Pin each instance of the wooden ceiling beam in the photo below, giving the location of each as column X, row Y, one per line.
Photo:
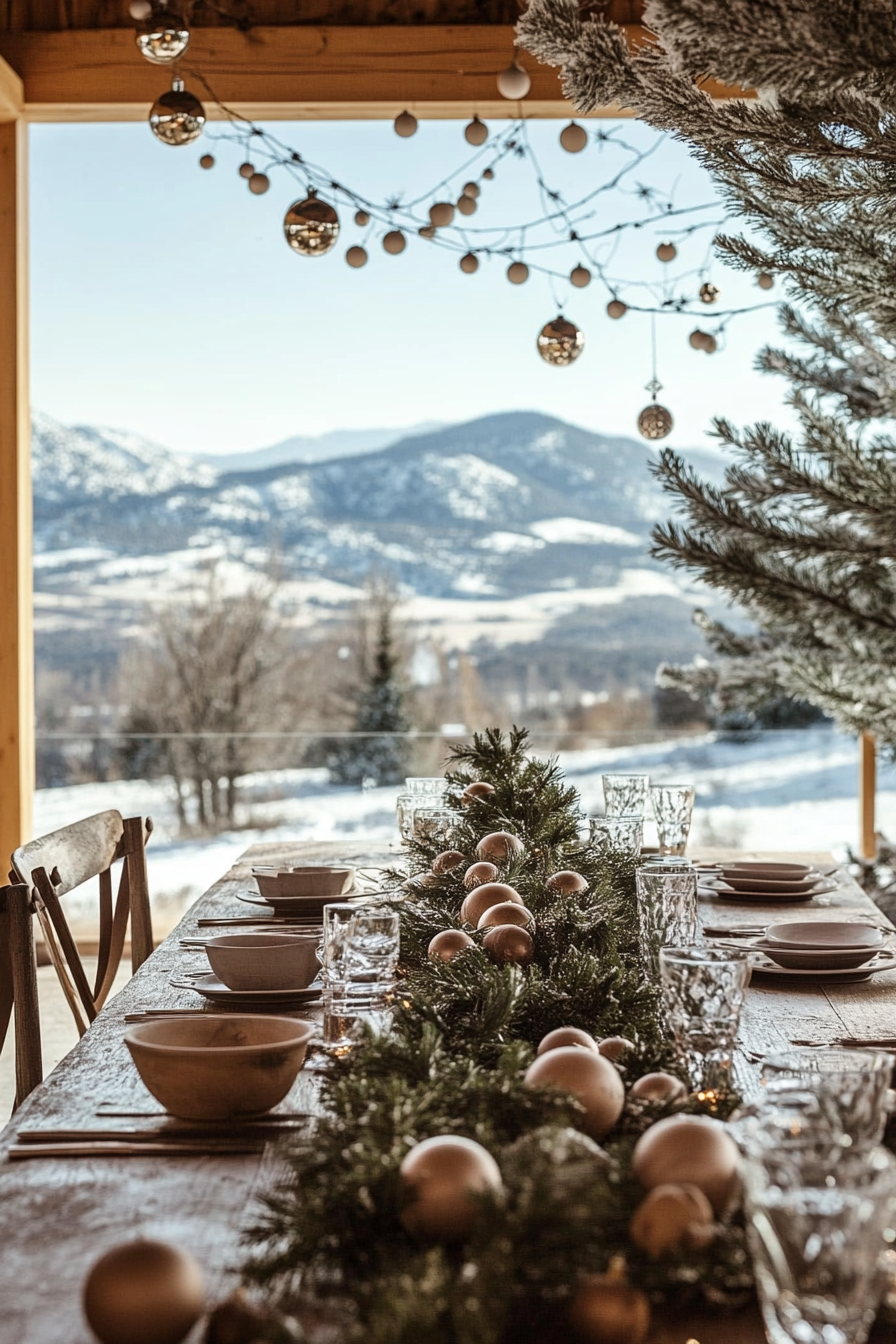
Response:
column 12, row 93
column 287, row 73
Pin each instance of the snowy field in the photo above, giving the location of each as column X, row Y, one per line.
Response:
column 785, row 790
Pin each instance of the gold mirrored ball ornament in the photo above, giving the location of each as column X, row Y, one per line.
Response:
column 165, row 39
column 177, row 117
column 560, row 342
column 655, row 421
column 311, row 227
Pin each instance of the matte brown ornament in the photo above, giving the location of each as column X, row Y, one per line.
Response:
column 580, row 276
column 765, row 281
column 465, row 205
column 657, row 1087
column 475, row 132
column 697, row 339
column 144, row 1292
column 394, row 242
column 482, row 898
column 446, row 945
column 259, row 183
column 616, row 308
column 442, row 1177
column 311, row 227
column 672, row 1218
column 514, row 82
column 441, row 214
column 207, row 161
column 615, row 1047
column 447, row 861
column 469, row 263
column 667, row 252
column 566, row 1036
column 498, row 847
column 356, row 257
column 573, row 138
column 603, row 1311
column 471, row 189
column 177, row 117
column 710, row 345
column 140, row 10
column 478, row 873
column 560, row 342
column 478, row 789
column 655, row 422
column 361, row 218
column 517, row 272
column 427, row 231
column 488, row 174
column 691, row 1150
column 246, row 170
column 591, row 1079
column 405, row 124
column 508, row 912
column 708, row 292
column 568, row 882
column 509, row 943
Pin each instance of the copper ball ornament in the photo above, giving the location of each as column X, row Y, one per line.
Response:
column 479, row 873
column 311, row 227
column 478, row 790
column 446, row 945
column 691, row 1150
column 710, row 345
column 509, row 943
column 615, row 1047
column 447, row 861
column 394, row 242
column 517, row 272
column 440, row 1175
column 465, row 205
column 580, row 276
column 765, row 281
column 573, row 138
column 259, row 183
column 164, row 41
column 356, row 257
column 441, row 214
column 484, row 897
column 405, row 125
column 471, row 189
column 469, row 263
column 567, row 882
column 140, row 10
column 475, row 132
column 566, row 1036
column 560, row 342
column 246, row 170
column 488, row 174
column 177, row 117
column 514, row 82
column 498, row 847
column 604, row 1311
column 655, row 422
column 708, row 292
column 667, row 252
column 592, row 1080
column 361, row 218
column 697, row 339
column 507, row 912
column 657, row 1087
column 672, row 1218
column 616, row 308
column 144, row 1292
column 207, row 161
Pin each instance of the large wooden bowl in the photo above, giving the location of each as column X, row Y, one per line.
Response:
column 264, row 960
column 218, row 1068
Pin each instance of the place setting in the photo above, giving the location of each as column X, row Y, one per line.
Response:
column 820, row 951
column 765, row 883
column 291, row 896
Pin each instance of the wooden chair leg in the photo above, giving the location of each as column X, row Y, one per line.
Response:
column 136, row 834
column 29, row 1061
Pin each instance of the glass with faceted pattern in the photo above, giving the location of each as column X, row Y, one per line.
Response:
column 667, row 909
column 703, row 992
column 622, row 833
column 673, row 807
column 625, row 795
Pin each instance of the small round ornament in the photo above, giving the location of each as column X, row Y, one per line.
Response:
column 498, row 847
column 475, row 132
column 483, row 898
column 592, row 1080
column 361, row 218
column 165, row 40
column 478, row 873
column 697, row 339
column 667, row 252
column 566, row 1036
column 560, row 342
column 672, row 1218
column 446, row 945
column 517, row 272
column 427, row 231
column 657, row 1087
column 691, row 1150
column 311, row 227
column 440, row 1175
column 509, row 943
column 580, row 276
column 465, row 205
column 177, row 117
column 259, row 183
column 604, row 1311
column 394, row 242
column 140, row 10
column 573, row 138
column 356, row 256
column 655, row 421
column 405, row 124
column 478, row 790
column 441, row 214
column 471, row 189
column 708, row 292
column 616, row 309
column 488, row 174
column 207, row 161
column 144, row 1292
column 447, row 861
column 615, row 1047
column 765, row 281
column 514, row 82
column 710, row 345
column 246, row 169
column 469, row 263
column 567, row 881
column 507, row 912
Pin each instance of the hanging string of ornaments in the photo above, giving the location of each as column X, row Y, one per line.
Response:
column 312, row 226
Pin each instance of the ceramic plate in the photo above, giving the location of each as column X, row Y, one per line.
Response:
column 816, row 935
column 727, row 893
column 297, row 912
column 819, row 958
column 211, row 988
column 845, row 977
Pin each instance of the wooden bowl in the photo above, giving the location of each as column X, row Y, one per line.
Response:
column 264, row 960
column 823, row 935
column 311, row 883
column 219, row 1068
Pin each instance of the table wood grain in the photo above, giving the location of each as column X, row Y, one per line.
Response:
column 58, row 1215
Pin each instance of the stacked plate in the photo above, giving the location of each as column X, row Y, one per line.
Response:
column 299, row 894
column 829, row 950
column 767, row 882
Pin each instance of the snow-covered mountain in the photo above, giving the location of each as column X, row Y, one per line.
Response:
column 314, row 448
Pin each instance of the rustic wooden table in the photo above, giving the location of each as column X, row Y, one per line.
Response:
column 58, row 1215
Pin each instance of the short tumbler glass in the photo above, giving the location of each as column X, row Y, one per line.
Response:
column 851, row 1088
column 703, row 992
column 625, row 795
column 673, row 806
column 667, row 910
column 622, row 833
column 435, row 825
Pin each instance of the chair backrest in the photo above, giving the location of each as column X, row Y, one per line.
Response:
column 55, row 864
column 18, row 987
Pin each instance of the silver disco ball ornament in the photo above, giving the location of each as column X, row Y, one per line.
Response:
column 560, row 342
column 164, row 39
column 177, row 118
column 311, row 226
column 655, row 422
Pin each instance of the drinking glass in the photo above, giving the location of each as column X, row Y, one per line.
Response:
column 851, row 1087
column 359, row 956
column 431, row 785
column 625, row 795
column 372, row 948
column 337, row 919
column 435, row 825
column 703, row 992
column 622, row 833
column 667, row 909
column 818, row 1234
column 673, row 805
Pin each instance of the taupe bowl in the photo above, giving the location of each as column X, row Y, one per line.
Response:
column 218, row 1068
column 819, row 958
column 264, row 960
column 824, row 935
column 321, row 883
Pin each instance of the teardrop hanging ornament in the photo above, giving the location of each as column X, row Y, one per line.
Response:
column 655, row 421
column 311, row 227
column 560, row 342
column 165, row 37
column 177, row 117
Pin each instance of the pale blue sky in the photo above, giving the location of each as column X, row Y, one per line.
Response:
column 166, row 301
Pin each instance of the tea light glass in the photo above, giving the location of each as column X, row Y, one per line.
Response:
column 625, row 795
column 703, row 992
column 673, row 807
column 622, row 833
column 667, row 909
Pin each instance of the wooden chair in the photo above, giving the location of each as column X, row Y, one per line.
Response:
column 55, row 865
column 18, row 986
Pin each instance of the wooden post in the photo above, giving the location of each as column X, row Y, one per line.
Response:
column 867, row 789
column 16, row 629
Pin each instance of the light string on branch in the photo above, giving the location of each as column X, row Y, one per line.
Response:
column 443, row 216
